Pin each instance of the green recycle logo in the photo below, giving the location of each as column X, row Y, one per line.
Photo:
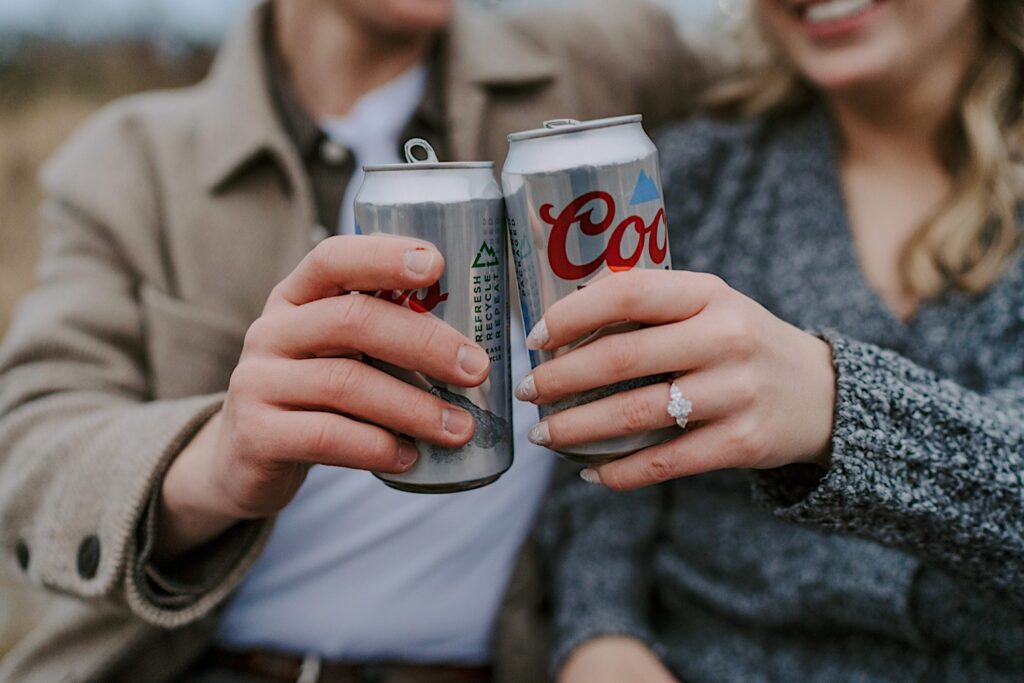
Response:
column 486, row 258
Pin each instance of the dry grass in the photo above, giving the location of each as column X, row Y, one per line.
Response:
column 44, row 96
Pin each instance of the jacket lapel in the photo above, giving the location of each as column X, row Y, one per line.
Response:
column 481, row 55
column 239, row 131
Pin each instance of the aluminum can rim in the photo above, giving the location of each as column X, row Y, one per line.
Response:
column 577, row 127
column 425, row 166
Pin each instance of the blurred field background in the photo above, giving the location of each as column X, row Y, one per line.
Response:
column 60, row 60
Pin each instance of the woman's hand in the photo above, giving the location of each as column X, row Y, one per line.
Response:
column 614, row 659
column 762, row 390
column 300, row 395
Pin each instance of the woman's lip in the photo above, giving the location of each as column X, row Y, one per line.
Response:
column 838, row 28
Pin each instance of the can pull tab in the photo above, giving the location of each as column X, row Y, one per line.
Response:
column 561, row 123
column 412, row 145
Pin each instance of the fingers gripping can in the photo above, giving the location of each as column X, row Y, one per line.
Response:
column 583, row 200
column 459, row 208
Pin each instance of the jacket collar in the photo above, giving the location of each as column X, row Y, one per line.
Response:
column 486, row 52
column 239, row 122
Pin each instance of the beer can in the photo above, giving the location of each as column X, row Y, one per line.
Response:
column 583, row 199
column 459, row 208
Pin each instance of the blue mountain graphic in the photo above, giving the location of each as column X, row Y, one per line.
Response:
column 645, row 190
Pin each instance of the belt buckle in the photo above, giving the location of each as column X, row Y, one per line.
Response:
column 309, row 672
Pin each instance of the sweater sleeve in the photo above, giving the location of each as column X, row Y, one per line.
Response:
column 918, row 462
column 598, row 546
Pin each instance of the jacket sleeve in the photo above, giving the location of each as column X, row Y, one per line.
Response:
column 918, row 462
column 83, row 445
column 598, row 546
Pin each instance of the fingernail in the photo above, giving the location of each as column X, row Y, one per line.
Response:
column 590, row 476
column 407, row 454
column 419, row 260
column 538, row 336
column 527, row 390
column 472, row 359
column 456, row 422
column 540, row 434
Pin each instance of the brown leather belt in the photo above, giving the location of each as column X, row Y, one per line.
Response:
column 295, row 669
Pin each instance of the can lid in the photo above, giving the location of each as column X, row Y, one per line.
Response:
column 563, row 126
column 428, row 162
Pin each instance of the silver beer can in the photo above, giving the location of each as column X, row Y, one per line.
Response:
column 583, row 200
column 459, row 208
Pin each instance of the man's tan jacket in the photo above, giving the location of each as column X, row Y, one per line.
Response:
column 163, row 240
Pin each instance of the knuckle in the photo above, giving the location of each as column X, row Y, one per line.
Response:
column 735, row 336
column 714, row 285
column 318, row 260
column 356, row 314
column 315, row 437
column 612, row 478
column 636, row 414
column 621, row 354
column 746, row 389
column 432, row 337
column 257, row 335
column 382, row 448
column 748, row 440
column 245, row 378
column 344, row 377
column 658, row 467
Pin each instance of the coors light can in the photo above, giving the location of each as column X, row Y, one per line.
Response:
column 459, row 208
column 584, row 200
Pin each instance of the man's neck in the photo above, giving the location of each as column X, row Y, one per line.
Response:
column 332, row 61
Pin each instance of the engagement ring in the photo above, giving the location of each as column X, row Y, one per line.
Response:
column 679, row 406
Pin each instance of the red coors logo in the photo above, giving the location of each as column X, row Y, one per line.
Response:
column 653, row 236
column 420, row 300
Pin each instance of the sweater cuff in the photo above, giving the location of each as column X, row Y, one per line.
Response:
column 866, row 453
column 189, row 588
column 609, row 596
column 599, row 622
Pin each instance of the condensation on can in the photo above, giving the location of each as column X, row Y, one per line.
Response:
column 599, row 175
column 459, row 208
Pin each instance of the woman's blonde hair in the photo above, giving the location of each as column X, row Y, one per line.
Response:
column 973, row 236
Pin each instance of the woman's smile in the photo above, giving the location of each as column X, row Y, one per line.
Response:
column 835, row 18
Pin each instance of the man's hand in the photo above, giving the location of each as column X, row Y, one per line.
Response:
column 301, row 395
column 614, row 659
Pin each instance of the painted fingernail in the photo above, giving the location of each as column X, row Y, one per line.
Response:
column 540, row 434
column 527, row 390
column 407, row 454
column 456, row 422
column 538, row 336
column 590, row 476
column 419, row 260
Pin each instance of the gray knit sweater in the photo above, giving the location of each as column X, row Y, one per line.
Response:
column 905, row 561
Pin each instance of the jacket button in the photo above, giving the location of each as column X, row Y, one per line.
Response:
column 88, row 557
column 21, row 552
column 332, row 153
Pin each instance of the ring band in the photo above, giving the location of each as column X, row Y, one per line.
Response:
column 679, row 406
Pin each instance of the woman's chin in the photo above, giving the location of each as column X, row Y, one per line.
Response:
column 844, row 81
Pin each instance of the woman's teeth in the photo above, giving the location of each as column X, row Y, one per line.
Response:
column 835, row 10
